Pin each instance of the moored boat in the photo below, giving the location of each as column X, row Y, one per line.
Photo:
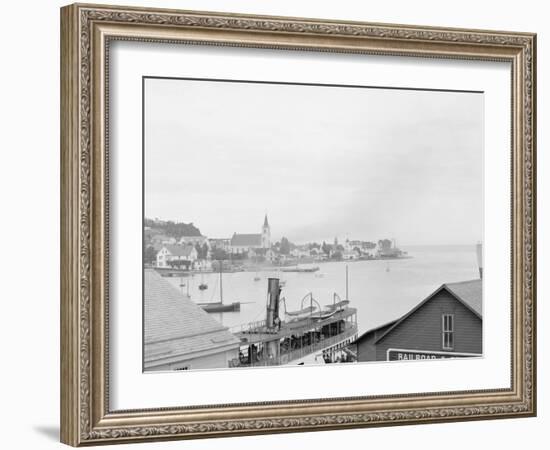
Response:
column 301, row 269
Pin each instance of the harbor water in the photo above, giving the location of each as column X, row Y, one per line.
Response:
column 381, row 290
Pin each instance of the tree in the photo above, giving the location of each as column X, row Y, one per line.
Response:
column 204, row 250
column 326, row 248
column 219, row 254
column 285, row 246
column 173, row 229
column 150, row 255
column 384, row 243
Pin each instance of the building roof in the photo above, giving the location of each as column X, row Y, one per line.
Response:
column 245, row 240
column 174, row 326
column 179, row 249
column 469, row 293
column 379, row 327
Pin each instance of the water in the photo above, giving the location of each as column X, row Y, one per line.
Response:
column 378, row 294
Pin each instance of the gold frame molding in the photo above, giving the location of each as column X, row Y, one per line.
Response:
column 86, row 31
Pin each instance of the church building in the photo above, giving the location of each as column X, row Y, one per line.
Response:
column 244, row 243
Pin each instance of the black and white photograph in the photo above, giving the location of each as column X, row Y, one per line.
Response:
column 295, row 224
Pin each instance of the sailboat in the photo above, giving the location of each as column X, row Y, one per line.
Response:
column 257, row 277
column 214, row 307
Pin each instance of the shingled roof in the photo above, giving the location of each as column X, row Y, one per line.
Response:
column 246, row 240
column 180, row 249
column 175, row 327
column 469, row 292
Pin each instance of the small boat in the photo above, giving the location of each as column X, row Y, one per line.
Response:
column 339, row 305
column 319, row 275
column 324, row 314
column 257, row 277
column 203, row 286
column 297, row 316
column 215, row 307
column 301, row 312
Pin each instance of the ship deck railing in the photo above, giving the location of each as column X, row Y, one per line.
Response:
column 258, row 332
column 287, row 356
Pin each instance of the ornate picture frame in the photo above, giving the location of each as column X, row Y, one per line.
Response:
column 86, row 34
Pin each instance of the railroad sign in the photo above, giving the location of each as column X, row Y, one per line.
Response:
column 399, row 354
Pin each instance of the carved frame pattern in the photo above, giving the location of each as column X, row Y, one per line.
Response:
column 86, row 418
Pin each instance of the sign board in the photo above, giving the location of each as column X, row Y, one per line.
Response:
column 400, row 354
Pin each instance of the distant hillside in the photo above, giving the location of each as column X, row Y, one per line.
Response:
column 173, row 229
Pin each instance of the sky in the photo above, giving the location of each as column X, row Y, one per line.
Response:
column 322, row 162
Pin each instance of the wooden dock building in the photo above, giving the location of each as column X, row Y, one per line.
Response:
column 447, row 324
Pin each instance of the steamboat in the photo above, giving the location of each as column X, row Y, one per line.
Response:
column 314, row 334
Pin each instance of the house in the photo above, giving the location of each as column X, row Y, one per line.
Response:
column 300, row 252
column 178, row 334
column 350, row 255
column 220, row 243
column 176, row 255
column 447, row 324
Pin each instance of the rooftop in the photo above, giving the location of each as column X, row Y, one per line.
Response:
column 179, row 249
column 175, row 326
column 469, row 292
column 246, row 240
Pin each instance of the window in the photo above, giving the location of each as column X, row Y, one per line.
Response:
column 448, row 331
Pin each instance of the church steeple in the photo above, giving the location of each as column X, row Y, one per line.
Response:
column 266, row 234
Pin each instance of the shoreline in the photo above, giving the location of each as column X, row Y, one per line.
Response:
column 260, row 267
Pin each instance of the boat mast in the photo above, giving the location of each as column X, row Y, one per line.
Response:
column 347, row 276
column 221, row 285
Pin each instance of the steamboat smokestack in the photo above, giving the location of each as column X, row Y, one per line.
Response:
column 273, row 293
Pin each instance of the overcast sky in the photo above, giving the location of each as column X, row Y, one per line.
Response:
column 320, row 161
